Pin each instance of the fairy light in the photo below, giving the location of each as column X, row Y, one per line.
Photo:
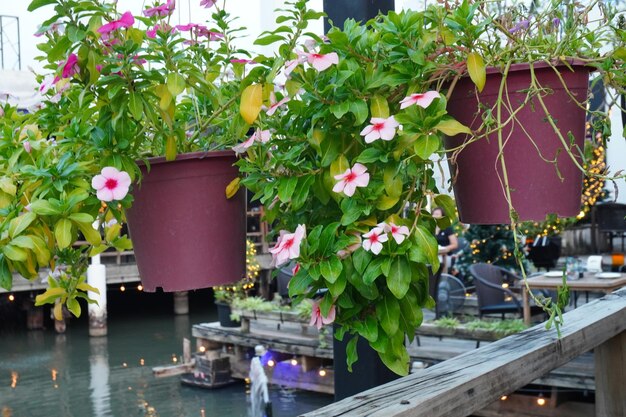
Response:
column 124, row 365
column 142, row 362
column 504, row 398
column 202, row 349
column 541, row 401
column 11, row 297
column 139, row 287
column 271, row 363
column 174, row 358
column 294, row 362
column 322, row 372
column 122, row 288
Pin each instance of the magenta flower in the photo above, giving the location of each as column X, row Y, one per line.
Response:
column 422, row 100
column 204, row 31
column 321, row 61
column 356, row 176
column 111, row 184
column 374, row 239
column 188, row 27
column 287, row 246
column 274, row 105
column 126, row 21
column 70, row 67
column 317, row 319
column 380, row 128
column 259, row 135
column 151, row 33
column 161, row 10
column 208, row 3
column 399, row 233
column 242, row 61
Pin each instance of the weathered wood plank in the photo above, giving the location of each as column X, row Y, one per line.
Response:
column 460, row 332
column 526, row 406
column 280, row 341
column 470, row 382
column 611, row 377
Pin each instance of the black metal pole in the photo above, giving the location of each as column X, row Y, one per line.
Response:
column 360, row 10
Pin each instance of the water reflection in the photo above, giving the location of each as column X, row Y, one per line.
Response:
column 99, row 376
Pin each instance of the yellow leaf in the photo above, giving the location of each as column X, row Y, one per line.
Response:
column 58, row 311
column 477, row 70
column 170, row 148
column 49, row 296
column 451, row 127
column 251, row 102
column 63, row 233
column 386, row 202
column 164, row 94
column 338, row 166
column 379, row 106
column 232, row 188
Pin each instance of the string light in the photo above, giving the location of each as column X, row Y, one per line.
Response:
column 202, row 349
column 322, row 372
column 504, row 398
column 139, row 287
column 122, row 288
column 271, row 363
column 294, row 362
column 541, row 401
column 11, row 297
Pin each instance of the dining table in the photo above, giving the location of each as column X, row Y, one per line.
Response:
column 605, row 282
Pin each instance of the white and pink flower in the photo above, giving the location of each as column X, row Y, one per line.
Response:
column 287, row 246
column 274, row 105
column 380, row 128
column 398, row 233
column 208, row 3
column 320, row 62
column 354, row 177
column 420, row 99
column 111, row 184
column 27, row 146
column 317, row 319
column 262, row 136
column 374, row 239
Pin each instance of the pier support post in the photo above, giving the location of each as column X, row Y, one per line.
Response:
column 181, row 302
column 610, row 369
column 34, row 316
column 96, row 277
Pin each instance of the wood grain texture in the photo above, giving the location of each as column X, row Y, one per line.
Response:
column 610, row 360
column 472, row 381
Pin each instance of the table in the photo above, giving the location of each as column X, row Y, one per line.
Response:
column 588, row 283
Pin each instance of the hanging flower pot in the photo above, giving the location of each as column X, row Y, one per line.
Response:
column 542, row 176
column 186, row 233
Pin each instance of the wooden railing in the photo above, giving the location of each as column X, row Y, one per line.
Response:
column 472, row 381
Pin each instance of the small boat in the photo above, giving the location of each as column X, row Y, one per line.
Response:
column 209, row 373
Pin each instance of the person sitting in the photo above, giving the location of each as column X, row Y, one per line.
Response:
column 446, row 239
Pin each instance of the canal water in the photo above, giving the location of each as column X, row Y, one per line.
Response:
column 44, row 374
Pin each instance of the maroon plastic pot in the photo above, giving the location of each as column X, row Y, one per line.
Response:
column 536, row 189
column 186, row 234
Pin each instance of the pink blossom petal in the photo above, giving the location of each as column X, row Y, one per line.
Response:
column 105, row 194
column 322, row 62
column 98, row 182
column 359, row 169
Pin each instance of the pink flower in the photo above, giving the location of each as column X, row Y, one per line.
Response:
column 317, row 319
column 356, row 176
column 291, row 65
column 422, row 100
column 380, row 128
column 242, row 61
column 26, row 145
column 321, row 61
column 111, row 184
column 126, row 21
column 208, row 3
column 47, row 84
column 259, row 135
column 287, row 246
column 399, row 233
column 187, row 27
column 151, row 33
column 275, row 105
column 204, row 31
column 373, row 240
column 70, row 67
column 161, row 10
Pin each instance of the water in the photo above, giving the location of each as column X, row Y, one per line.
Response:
column 43, row 374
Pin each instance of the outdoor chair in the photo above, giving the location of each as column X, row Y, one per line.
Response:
column 493, row 298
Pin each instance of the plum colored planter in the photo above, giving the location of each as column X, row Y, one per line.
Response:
column 186, row 234
column 536, row 189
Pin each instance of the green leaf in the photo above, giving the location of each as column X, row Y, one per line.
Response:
column 122, row 243
column 359, row 109
column 40, row 249
column 44, row 208
column 379, row 106
column 330, row 149
column 302, row 191
column 351, row 353
column 81, row 218
column 447, row 204
column 370, row 155
column 23, row 242
column 50, row 296
column 426, row 243
column 351, row 211
column 19, row 224
column 14, row 253
column 268, row 40
column 426, row 145
column 36, row 4
column 135, row 105
column 397, row 363
column 388, row 314
column 340, row 109
column 369, row 329
column 299, row 283
column 331, row 269
column 170, row 148
column 477, row 70
column 399, row 278
column 175, row 83
column 6, row 278
column 373, row 271
column 326, row 304
column 73, row 306
column 337, row 288
column 95, row 250
column 6, row 185
column 91, row 234
column 361, row 258
column 451, row 127
column 286, row 187
column 327, row 238
column 63, row 233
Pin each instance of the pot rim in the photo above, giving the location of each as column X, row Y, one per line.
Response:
column 523, row 66
column 187, row 156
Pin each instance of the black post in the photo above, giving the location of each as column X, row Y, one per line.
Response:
column 360, row 10
column 368, row 372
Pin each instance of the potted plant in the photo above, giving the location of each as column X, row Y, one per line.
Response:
column 347, row 174
column 122, row 90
